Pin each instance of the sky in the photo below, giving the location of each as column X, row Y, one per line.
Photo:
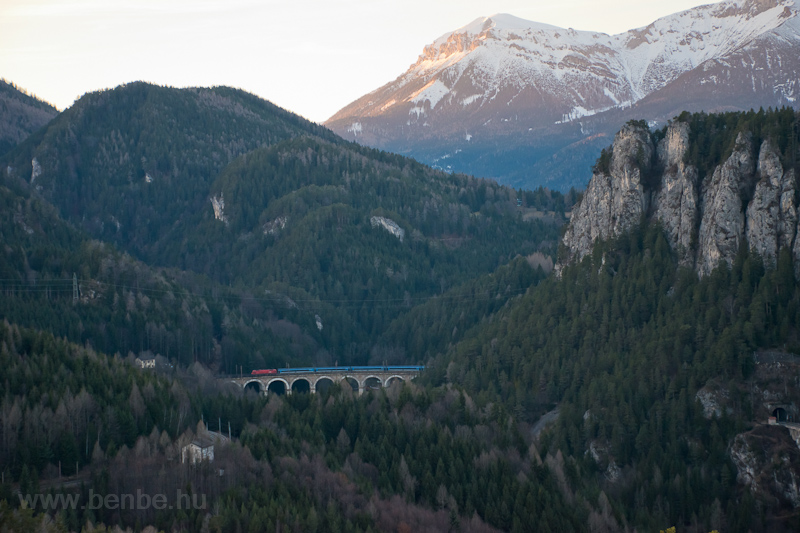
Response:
column 311, row 57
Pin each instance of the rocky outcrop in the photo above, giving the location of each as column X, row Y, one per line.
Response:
column 748, row 200
column 723, row 220
column 218, row 203
column 676, row 202
column 273, row 227
column 714, row 400
column 389, row 225
column 615, row 199
column 768, row 462
column 772, row 214
column 36, row 170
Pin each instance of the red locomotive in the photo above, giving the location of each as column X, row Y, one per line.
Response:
column 264, row 372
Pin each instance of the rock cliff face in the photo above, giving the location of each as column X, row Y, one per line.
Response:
column 615, row 198
column 722, row 223
column 676, row 202
column 748, row 200
column 772, row 215
column 766, row 461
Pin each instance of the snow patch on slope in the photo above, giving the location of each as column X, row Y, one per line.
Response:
column 354, row 128
column 433, row 92
column 469, row 99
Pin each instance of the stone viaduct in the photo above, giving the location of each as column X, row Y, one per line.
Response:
column 312, row 380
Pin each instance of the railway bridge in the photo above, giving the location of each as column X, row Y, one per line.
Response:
column 313, row 379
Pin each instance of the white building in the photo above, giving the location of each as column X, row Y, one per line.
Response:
column 146, row 361
column 202, row 448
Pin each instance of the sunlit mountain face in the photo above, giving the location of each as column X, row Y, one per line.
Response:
column 526, row 102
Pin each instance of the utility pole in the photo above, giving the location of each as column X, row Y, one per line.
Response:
column 74, row 287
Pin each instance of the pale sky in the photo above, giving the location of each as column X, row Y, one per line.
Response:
column 311, row 57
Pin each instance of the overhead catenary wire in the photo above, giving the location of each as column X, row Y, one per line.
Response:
column 66, row 286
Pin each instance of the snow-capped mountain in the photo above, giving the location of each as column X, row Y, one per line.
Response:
column 499, row 95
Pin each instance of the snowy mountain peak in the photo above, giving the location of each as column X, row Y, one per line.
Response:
column 573, row 73
column 499, row 22
column 503, row 75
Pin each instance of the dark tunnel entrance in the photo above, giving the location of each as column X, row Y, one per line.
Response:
column 780, row 414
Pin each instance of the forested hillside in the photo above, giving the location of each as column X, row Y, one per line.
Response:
column 126, row 164
column 290, row 246
column 21, row 114
column 280, row 228
column 414, row 459
column 124, row 305
column 655, row 371
column 319, row 216
column 622, row 344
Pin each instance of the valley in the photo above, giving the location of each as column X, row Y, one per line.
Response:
column 263, row 324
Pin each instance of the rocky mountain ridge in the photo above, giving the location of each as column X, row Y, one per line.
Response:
column 498, row 96
column 750, row 198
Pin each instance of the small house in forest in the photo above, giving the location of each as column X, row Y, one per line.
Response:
column 202, row 448
column 146, row 361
